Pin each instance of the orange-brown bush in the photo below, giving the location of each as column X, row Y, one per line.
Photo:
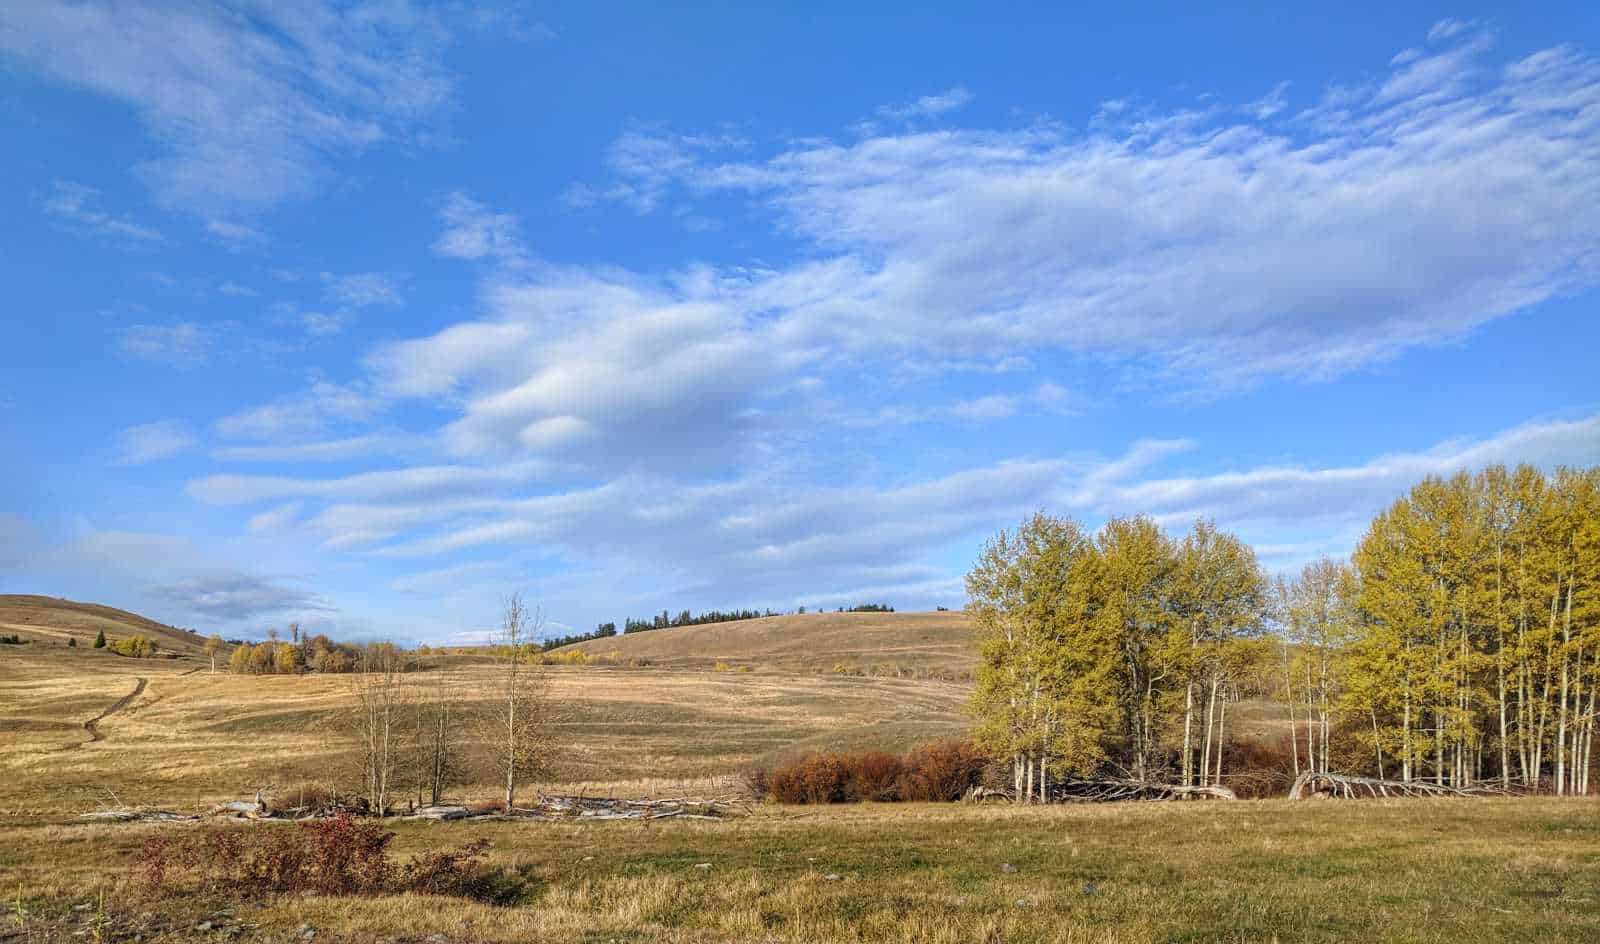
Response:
column 937, row 772
column 941, row 771
column 873, row 776
column 337, row 856
column 815, row 778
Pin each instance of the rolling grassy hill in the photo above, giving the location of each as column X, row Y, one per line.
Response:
column 175, row 731
column 50, row 620
column 939, row 643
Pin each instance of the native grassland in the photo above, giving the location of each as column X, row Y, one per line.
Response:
column 1419, row 870
column 193, row 736
column 1489, row 870
column 941, row 643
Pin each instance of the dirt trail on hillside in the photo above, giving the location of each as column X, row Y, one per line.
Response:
column 93, row 724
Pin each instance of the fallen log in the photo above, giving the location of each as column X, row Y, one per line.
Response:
column 137, row 816
column 1344, row 787
column 440, row 813
column 984, row 795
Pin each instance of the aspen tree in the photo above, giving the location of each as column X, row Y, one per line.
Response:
column 519, row 721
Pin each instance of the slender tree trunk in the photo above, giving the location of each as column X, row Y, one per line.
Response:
column 1222, row 718
column 1288, row 700
column 1377, row 743
column 1211, row 722
column 1405, row 736
column 1500, row 661
column 1561, row 722
column 1188, row 740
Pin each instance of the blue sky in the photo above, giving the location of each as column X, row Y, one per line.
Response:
column 368, row 315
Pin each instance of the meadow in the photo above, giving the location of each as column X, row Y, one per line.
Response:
column 1405, row 870
column 1493, row 870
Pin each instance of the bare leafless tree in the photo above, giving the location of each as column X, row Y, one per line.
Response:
column 438, row 718
column 382, row 695
column 520, row 713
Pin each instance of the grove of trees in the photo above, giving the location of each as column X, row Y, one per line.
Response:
column 1460, row 644
column 307, row 654
column 420, row 727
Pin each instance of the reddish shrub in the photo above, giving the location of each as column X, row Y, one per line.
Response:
column 932, row 773
column 873, row 776
column 815, row 778
column 337, row 856
column 941, row 772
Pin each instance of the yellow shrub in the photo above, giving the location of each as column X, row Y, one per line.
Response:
column 137, row 647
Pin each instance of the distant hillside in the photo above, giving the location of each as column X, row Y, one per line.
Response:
column 49, row 619
column 878, row 643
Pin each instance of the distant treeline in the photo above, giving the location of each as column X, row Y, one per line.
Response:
column 666, row 620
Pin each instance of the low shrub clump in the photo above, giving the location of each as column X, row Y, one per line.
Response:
column 308, row 795
column 942, row 772
column 933, row 773
column 1257, row 769
column 336, row 856
column 134, row 647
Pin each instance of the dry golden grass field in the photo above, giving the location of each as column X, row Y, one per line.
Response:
column 192, row 736
column 1463, row 870
column 1423, row 871
column 863, row 643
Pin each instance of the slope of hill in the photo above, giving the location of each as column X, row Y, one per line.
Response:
column 867, row 643
column 53, row 620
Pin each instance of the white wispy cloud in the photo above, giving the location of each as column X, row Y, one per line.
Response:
column 138, row 445
column 249, row 104
column 234, row 235
column 275, row 520
column 1452, row 192
column 76, row 206
column 321, row 404
column 929, row 106
column 387, row 484
column 362, row 289
column 182, row 345
column 769, row 537
column 321, row 324
column 472, row 231
column 328, row 450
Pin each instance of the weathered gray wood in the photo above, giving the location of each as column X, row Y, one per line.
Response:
column 1344, row 787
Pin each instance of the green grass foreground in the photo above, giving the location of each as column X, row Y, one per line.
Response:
column 1418, row 870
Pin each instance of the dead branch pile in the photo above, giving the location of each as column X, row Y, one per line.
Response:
column 137, row 816
column 547, row 808
column 1109, row 791
column 1342, row 787
column 584, row 807
column 557, row 806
